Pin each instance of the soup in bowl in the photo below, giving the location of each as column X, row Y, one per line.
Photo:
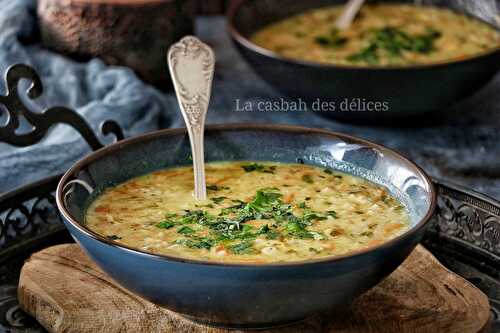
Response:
column 410, row 60
column 297, row 220
column 383, row 34
column 256, row 212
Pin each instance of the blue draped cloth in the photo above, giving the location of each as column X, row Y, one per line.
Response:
column 465, row 149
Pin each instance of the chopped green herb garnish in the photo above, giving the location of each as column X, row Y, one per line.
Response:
column 113, row 237
column 294, row 226
column 238, row 201
column 196, row 216
column 166, row 224
column 322, row 40
column 307, row 178
column 368, row 55
column 332, row 213
column 394, row 42
column 273, row 234
column 298, row 230
column 207, row 206
column 265, row 200
column 218, row 200
column 230, row 225
column 270, row 233
column 258, row 167
column 242, row 248
column 213, row 187
column 310, row 216
column 197, row 242
column 185, row 230
column 264, row 229
column 332, row 40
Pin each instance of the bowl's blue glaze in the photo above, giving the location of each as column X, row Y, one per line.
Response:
column 247, row 295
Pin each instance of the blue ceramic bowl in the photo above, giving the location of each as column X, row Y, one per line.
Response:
column 246, row 295
column 414, row 90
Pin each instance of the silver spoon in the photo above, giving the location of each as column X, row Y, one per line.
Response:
column 350, row 11
column 191, row 64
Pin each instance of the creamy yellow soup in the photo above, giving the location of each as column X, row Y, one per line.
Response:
column 382, row 34
column 255, row 212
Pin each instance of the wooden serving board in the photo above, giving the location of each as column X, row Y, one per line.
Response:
column 66, row 292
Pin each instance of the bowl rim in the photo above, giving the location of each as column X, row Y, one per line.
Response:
column 237, row 36
column 109, row 149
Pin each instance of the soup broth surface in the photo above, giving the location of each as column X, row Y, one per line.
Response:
column 382, row 34
column 255, row 212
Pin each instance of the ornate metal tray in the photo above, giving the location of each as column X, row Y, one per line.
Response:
column 464, row 234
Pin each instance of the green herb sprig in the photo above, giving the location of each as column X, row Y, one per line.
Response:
column 259, row 168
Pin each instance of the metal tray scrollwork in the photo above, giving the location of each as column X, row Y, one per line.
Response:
column 464, row 234
column 29, row 218
column 465, row 237
column 42, row 122
column 469, row 219
column 23, row 217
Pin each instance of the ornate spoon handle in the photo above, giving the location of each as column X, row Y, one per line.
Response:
column 191, row 63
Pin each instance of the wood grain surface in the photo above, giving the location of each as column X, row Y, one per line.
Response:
column 66, row 292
